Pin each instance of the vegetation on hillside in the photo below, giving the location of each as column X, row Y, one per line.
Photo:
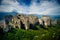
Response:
column 51, row 33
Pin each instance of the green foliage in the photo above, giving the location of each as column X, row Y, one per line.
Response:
column 52, row 33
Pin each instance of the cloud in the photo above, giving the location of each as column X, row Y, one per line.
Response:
column 7, row 6
column 12, row 5
column 44, row 8
column 41, row 8
column 52, row 11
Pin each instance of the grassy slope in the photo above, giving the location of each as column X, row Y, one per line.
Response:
column 52, row 33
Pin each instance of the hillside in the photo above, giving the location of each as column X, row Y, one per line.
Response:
column 41, row 33
column 52, row 33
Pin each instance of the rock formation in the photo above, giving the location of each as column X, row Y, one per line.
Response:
column 45, row 20
column 7, row 20
column 20, row 20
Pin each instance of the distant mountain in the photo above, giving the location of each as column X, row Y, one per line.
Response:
column 55, row 16
column 51, row 16
column 2, row 14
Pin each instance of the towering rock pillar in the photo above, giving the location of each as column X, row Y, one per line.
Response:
column 4, row 24
column 17, row 23
column 7, row 20
column 26, row 23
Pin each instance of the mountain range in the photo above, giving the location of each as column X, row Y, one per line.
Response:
column 2, row 14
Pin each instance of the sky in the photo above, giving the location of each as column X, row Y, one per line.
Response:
column 40, row 7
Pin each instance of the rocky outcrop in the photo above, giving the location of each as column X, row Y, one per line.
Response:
column 7, row 20
column 54, row 22
column 20, row 20
column 45, row 21
column 32, row 19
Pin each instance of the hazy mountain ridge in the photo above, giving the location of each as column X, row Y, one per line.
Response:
column 51, row 16
column 2, row 14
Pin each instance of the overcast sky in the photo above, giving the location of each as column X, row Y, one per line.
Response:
column 41, row 7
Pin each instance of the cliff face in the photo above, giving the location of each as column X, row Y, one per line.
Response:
column 20, row 20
